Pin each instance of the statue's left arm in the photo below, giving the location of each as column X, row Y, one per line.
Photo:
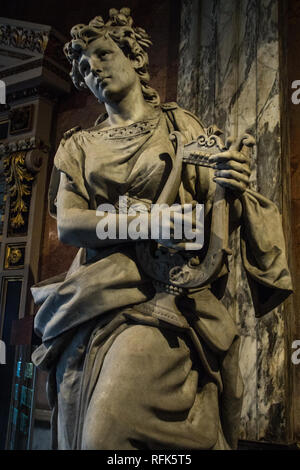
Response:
column 263, row 252
column 262, row 240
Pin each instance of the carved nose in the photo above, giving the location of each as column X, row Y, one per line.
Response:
column 95, row 71
column 95, row 66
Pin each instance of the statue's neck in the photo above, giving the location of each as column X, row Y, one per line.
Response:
column 132, row 108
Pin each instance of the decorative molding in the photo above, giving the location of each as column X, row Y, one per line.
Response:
column 34, row 160
column 14, row 54
column 19, row 181
column 23, row 144
column 20, row 169
column 23, row 38
column 32, row 92
column 24, row 67
column 21, row 68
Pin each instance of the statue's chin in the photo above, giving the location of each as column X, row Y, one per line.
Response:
column 106, row 96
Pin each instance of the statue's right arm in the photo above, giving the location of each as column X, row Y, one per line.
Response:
column 76, row 223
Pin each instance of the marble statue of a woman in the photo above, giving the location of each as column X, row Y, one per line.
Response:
column 125, row 371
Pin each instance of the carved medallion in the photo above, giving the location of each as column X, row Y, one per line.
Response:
column 14, row 256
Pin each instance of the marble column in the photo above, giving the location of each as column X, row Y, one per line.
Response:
column 229, row 75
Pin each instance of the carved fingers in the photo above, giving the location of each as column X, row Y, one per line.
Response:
column 228, row 155
column 242, row 168
column 233, row 166
column 181, row 227
column 234, row 183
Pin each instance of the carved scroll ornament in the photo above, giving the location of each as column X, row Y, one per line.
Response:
column 23, row 38
column 19, row 169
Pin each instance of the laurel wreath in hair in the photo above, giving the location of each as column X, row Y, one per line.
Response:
column 132, row 41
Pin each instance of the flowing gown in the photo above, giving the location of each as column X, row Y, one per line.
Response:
column 121, row 377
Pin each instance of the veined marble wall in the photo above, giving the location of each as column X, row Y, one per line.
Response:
column 229, row 75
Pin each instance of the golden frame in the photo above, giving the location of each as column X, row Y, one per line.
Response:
column 13, row 253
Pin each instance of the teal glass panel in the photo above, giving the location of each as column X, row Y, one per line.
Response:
column 15, row 416
column 24, row 423
column 19, row 369
column 26, row 396
column 16, row 397
column 28, row 370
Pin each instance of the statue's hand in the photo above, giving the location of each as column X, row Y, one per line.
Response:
column 233, row 165
column 180, row 224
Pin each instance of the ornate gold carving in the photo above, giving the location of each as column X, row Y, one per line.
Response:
column 19, row 180
column 14, row 257
column 23, row 38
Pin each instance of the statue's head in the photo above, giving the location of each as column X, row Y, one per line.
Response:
column 118, row 38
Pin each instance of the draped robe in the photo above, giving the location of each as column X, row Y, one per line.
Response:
column 170, row 381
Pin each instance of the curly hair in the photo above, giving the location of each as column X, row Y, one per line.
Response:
column 131, row 40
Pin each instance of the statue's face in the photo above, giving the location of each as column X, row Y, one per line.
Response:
column 107, row 72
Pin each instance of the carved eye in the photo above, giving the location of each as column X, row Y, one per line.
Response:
column 102, row 54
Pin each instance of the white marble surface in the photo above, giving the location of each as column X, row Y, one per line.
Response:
column 228, row 75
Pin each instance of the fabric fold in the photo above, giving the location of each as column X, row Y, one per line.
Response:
column 263, row 252
column 100, row 295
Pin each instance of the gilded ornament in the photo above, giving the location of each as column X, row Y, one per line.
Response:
column 19, row 180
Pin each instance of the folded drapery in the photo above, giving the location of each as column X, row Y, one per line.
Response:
column 106, row 288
